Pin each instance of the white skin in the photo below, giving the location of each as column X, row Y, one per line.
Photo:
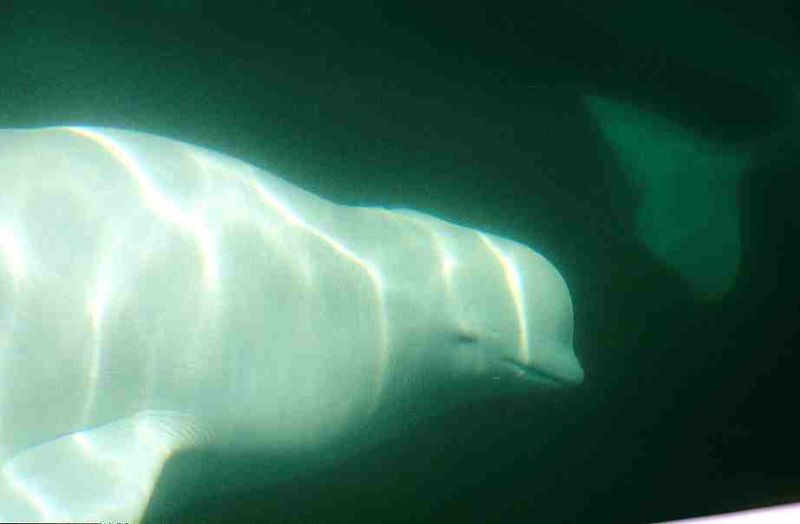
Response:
column 140, row 275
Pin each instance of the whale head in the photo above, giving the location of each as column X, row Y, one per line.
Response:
column 499, row 314
column 515, row 321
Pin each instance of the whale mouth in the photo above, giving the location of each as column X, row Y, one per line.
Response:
column 530, row 375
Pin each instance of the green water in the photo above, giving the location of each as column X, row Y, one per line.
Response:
column 649, row 153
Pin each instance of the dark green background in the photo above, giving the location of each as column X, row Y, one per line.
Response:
column 472, row 112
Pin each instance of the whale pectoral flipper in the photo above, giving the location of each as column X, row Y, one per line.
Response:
column 102, row 474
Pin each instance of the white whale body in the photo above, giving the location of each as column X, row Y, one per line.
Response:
column 156, row 297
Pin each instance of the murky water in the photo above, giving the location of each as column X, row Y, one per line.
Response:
column 650, row 154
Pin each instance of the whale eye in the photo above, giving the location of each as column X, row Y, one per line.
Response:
column 464, row 337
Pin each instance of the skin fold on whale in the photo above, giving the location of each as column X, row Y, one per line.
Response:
column 156, row 297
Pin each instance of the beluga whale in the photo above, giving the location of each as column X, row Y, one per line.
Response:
column 157, row 297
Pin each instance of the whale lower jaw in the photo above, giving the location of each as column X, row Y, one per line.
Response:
column 530, row 375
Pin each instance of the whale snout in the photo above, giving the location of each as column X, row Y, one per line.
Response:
column 565, row 370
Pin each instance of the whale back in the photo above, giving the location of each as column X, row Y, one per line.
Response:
column 138, row 272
